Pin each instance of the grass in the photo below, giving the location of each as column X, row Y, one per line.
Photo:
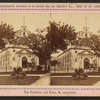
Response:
column 8, row 80
column 70, row 81
column 68, row 74
column 27, row 72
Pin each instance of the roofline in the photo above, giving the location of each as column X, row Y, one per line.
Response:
column 87, row 51
column 13, row 47
column 22, row 50
column 72, row 48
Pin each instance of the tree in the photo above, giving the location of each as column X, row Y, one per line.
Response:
column 39, row 46
column 2, row 43
column 49, row 40
column 95, row 42
column 60, row 36
column 20, row 41
column 6, row 34
column 92, row 42
column 57, row 37
column 87, row 42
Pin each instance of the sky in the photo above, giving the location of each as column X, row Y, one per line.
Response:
column 40, row 20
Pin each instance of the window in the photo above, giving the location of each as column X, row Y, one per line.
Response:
column 75, row 51
column 23, row 33
column 13, row 50
column 75, row 59
column 13, row 58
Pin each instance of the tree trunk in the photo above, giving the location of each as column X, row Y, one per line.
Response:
column 45, row 66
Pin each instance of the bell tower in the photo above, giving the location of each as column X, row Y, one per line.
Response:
column 85, row 33
column 23, row 32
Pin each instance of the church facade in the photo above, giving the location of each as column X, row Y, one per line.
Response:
column 16, row 56
column 77, row 56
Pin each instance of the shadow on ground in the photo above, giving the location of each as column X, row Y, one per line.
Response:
column 70, row 81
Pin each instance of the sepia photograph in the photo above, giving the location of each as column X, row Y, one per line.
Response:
column 49, row 49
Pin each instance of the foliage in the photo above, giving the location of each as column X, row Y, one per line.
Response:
column 38, row 44
column 47, row 41
column 20, row 41
column 57, row 37
column 93, row 66
column 2, row 43
column 6, row 31
column 92, row 42
column 6, row 34
column 39, row 68
column 54, row 62
column 83, row 42
column 30, row 66
column 79, row 74
column 18, row 73
column 60, row 36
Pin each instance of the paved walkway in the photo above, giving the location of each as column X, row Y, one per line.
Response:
column 44, row 80
column 97, row 84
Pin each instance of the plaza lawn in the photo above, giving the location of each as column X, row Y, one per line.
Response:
column 8, row 80
column 70, row 81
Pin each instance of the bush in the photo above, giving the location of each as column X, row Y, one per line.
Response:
column 99, row 69
column 18, row 73
column 53, row 62
column 39, row 68
column 30, row 66
column 80, row 74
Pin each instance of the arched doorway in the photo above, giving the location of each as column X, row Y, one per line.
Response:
column 24, row 62
column 86, row 63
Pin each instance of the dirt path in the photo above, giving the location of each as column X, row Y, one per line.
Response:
column 44, row 80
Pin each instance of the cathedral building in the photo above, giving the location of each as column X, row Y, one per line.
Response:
column 77, row 56
column 17, row 55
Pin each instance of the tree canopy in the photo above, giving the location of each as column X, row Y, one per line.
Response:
column 60, row 36
column 6, row 31
column 48, row 40
column 92, row 42
column 6, row 34
column 57, row 37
